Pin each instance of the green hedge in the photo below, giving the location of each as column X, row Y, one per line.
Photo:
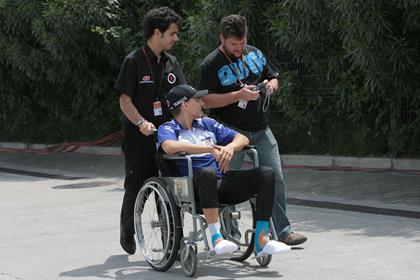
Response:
column 59, row 60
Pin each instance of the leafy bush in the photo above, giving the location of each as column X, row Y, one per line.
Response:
column 349, row 68
column 56, row 73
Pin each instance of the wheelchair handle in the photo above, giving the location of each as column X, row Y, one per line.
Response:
column 248, row 147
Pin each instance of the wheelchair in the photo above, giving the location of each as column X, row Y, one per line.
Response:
column 159, row 214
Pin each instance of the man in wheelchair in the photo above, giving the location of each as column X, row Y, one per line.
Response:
column 211, row 146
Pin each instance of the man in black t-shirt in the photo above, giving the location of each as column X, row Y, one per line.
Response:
column 231, row 73
column 146, row 76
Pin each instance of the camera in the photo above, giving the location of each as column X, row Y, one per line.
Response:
column 261, row 88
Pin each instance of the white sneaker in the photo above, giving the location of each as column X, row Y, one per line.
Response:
column 225, row 247
column 274, row 247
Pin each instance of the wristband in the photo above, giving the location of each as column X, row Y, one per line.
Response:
column 140, row 122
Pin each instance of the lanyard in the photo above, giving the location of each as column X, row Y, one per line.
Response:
column 236, row 70
column 153, row 74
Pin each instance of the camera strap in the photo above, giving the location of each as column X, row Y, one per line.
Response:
column 266, row 103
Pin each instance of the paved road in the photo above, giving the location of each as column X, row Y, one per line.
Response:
column 67, row 228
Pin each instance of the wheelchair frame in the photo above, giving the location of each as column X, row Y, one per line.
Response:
column 173, row 197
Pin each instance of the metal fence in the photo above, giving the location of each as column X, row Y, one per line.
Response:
column 312, row 77
column 314, row 83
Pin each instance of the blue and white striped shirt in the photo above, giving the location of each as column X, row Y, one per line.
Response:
column 205, row 131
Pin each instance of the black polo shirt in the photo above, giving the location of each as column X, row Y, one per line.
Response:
column 145, row 80
column 220, row 74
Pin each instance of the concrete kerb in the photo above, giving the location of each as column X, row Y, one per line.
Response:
column 115, row 151
column 29, row 147
column 408, row 164
column 307, row 160
column 352, row 162
column 287, row 159
column 367, row 162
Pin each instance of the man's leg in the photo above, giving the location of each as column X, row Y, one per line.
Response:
column 236, row 161
column 235, row 164
column 139, row 166
column 240, row 185
column 126, row 218
column 268, row 154
column 205, row 185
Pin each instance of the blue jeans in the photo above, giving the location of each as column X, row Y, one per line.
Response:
column 268, row 154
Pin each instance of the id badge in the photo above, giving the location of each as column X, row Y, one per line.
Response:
column 157, row 108
column 242, row 104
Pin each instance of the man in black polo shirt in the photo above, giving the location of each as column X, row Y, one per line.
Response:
column 146, row 76
column 230, row 74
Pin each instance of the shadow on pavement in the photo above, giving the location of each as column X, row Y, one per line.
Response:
column 84, row 185
column 119, row 267
column 115, row 267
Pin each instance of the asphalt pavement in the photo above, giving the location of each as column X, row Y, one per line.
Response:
column 60, row 220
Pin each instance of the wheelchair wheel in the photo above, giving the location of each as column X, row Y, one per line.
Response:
column 158, row 224
column 188, row 258
column 264, row 261
column 238, row 226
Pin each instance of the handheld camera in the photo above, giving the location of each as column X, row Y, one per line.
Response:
column 262, row 90
column 260, row 87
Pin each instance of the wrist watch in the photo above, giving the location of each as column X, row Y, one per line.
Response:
column 140, row 122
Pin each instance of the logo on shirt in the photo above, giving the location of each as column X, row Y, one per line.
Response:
column 171, row 78
column 207, row 141
column 146, row 80
column 255, row 62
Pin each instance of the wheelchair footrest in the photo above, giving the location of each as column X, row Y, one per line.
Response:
column 213, row 255
column 260, row 255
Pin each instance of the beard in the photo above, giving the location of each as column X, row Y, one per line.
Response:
column 231, row 54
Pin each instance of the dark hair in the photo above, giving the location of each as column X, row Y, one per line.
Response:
column 176, row 111
column 234, row 26
column 160, row 18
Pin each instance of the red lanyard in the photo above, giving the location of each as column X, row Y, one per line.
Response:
column 234, row 69
column 152, row 73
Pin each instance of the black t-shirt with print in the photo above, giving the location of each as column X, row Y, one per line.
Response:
column 141, row 83
column 219, row 75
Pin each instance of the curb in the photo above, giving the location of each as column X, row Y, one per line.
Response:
column 352, row 162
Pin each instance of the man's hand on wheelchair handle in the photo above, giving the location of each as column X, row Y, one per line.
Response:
column 223, row 155
column 147, row 128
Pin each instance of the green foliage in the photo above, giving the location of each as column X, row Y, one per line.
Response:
column 349, row 68
column 373, row 63
column 56, row 73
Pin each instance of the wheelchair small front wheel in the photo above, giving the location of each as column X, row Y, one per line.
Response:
column 188, row 258
column 264, row 260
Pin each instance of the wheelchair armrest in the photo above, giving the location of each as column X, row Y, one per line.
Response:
column 175, row 156
column 248, row 147
column 252, row 153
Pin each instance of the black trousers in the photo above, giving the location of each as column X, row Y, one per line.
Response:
column 139, row 152
column 235, row 187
